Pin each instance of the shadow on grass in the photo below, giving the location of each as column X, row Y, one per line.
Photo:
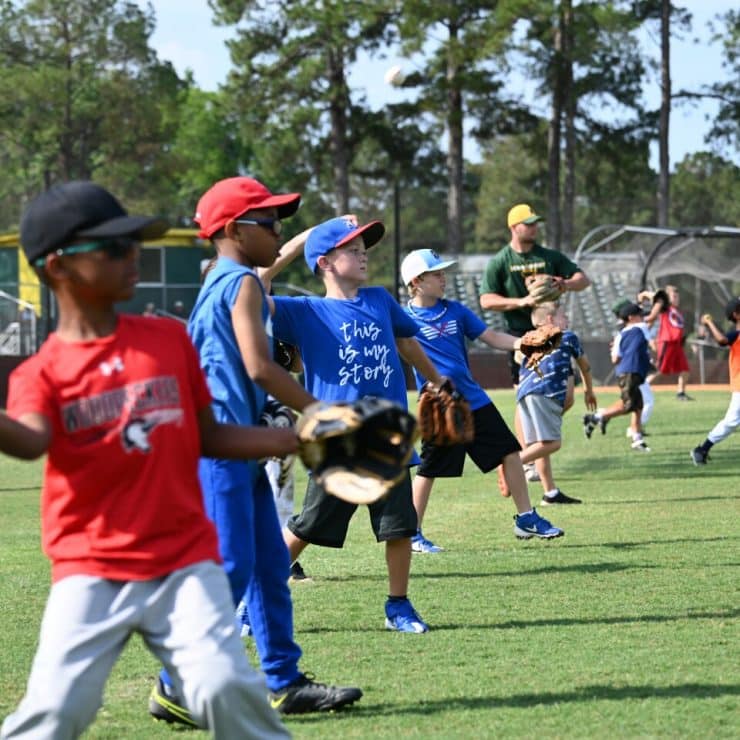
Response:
column 13, row 489
column 648, row 543
column 688, row 691
column 559, row 622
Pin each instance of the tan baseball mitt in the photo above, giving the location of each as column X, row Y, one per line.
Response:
column 538, row 343
column 543, row 288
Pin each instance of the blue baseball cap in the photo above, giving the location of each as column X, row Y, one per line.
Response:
column 337, row 232
column 420, row 261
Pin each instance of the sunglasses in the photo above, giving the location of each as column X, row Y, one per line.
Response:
column 114, row 249
column 275, row 225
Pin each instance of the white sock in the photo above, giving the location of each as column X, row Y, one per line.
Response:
column 553, row 493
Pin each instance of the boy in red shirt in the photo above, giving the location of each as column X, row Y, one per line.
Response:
column 121, row 406
column 671, row 358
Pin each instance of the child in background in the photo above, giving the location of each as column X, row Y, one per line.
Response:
column 633, row 361
column 542, row 397
column 350, row 342
column 443, row 328
column 731, row 421
column 121, row 406
column 648, row 397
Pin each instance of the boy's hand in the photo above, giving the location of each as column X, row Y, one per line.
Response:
column 589, row 399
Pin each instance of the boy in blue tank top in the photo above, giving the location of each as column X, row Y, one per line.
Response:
column 350, row 342
column 443, row 328
column 230, row 326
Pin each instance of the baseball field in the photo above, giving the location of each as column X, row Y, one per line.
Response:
column 627, row 627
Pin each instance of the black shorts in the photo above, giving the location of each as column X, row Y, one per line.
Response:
column 324, row 518
column 631, row 395
column 493, row 441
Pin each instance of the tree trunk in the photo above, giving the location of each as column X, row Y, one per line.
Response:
column 665, row 114
column 454, row 149
column 338, row 137
column 569, row 185
column 553, row 142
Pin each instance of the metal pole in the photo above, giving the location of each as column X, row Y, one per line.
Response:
column 396, row 237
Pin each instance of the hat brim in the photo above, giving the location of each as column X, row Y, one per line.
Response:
column 532, row 220
column 371, row 234
column 286, row 204
column 142, row 227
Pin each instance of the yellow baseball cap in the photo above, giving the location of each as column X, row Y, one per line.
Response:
column 522, row 214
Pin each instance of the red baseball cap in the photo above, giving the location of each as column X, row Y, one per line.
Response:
column 228, row 199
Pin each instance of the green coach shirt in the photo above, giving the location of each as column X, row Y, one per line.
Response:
column 506, row 270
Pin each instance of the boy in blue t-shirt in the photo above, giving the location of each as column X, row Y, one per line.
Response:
column 443, row 328
column 350, row 342
column 542, row 399
column 633, row 363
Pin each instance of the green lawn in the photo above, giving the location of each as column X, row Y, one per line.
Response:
column 626, row 627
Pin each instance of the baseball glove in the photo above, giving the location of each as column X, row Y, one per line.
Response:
column 661, row 297
column 278, row 416
column 356, row 451
column 543, row 288
column 444, row 416
column 538, row 343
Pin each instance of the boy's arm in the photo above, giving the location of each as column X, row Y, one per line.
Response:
column 412, row 352
column 27, row 438
column 233, row 442
column 499, row 340
column 588, row 383
column 717, row 335
column 288, row 252
column 246, row 317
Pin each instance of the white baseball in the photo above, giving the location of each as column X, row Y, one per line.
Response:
column 394, row 76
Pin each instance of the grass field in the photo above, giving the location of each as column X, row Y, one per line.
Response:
column 626, row 627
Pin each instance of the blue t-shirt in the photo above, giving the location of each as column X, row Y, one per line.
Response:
column 634, row 356
column 443, row 329
column 237, row 399
column 348, row 347
column 555, row 368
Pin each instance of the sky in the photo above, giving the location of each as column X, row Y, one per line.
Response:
column 186, row 36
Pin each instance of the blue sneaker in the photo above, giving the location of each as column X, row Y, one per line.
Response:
column 402, row 617
column 531, row 525
column 419, row 543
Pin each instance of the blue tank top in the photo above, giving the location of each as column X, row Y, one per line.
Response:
column 237, row 399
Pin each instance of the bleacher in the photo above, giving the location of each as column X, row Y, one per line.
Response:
column 589, row 311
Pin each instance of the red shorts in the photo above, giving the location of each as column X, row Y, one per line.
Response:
column 672, row 358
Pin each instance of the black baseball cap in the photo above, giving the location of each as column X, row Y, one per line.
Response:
column 80, row 210
column 630, row 309
column 731, row 308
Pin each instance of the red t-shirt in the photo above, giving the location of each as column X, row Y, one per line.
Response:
column 121, row 497
column 671, row 326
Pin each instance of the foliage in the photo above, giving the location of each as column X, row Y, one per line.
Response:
column 84, row 96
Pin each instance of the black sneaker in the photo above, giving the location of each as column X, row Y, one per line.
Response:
column 163, row 706
column 589, row 424
column 683, row 396
column 602, row 422
column 698, row 456
column 306, row 695
column 297, row 573
column 560, row 498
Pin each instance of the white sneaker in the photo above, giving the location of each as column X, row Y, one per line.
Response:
column 530, row 473
column 640, row 446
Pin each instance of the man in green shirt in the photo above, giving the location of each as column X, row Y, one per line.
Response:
column 503, row 288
